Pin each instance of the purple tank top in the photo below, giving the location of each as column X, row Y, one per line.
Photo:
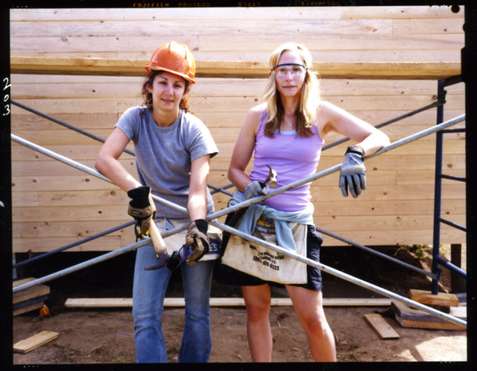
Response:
column 293, row 157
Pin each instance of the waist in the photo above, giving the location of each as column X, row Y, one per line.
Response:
column 295, row 199
column 284, row 204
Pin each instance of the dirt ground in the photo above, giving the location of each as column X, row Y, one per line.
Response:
column 106, row 336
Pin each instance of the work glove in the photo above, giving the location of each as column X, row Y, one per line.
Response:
column 197, row 239
column 353, row 172
column 254, row 188
column 142, row 209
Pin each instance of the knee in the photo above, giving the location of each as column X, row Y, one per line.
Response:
column 197, row 307
column 145, row 319
column 197, row 313
column 258, row 311
column 316, row 324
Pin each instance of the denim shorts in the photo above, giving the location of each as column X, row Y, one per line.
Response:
column 230, row 276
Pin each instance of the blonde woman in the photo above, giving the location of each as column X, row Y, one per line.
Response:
column 286, row 132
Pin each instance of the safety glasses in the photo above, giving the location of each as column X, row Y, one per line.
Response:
column 294, row 69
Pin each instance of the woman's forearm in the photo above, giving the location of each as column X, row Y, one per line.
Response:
column 374, row 142
column 114, row 170
column 238, row 178
column 197, row 205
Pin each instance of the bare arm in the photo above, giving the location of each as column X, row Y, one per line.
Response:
column 107, row 161
column 366, row 135
column 243, row 150
column 197, row 202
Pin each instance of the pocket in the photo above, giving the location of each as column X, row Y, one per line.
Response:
column 314, row 242
column 314, row 236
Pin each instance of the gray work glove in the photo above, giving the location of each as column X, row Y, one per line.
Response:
column 353, row 172
column 254, row 189
column 197, row 239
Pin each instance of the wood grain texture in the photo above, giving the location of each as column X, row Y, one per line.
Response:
column 35, row 341
column 240, row 69
column 381, row 326
column 55, row 204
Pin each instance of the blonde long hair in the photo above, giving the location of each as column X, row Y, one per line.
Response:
column 309, row 97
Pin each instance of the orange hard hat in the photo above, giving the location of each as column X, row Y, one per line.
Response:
column 175, row 58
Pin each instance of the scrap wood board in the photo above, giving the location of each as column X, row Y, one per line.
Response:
column 379, row 324
column 35, row 341
column 28, row 308
column 441, row 299
column 29, row 305
column 415, row 318
column 30, row 293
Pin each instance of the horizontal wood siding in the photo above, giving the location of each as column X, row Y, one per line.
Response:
column 55, row 204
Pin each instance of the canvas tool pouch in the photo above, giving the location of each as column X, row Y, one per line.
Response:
column 265, row 263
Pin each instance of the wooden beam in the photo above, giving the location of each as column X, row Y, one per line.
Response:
column 218, row 302
column 28, row 308
column 237, row 69
column 415, row 318
column 441, row 298
column 379, row 324
column 31, row 293
column 35, row 341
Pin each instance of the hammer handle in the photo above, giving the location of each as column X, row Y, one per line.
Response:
column 156, row 238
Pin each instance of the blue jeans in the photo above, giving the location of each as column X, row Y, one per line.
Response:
column 149, row 289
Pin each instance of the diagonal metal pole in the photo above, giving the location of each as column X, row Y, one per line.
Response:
column 335, row 168
column 340, row 274
column 72, row 244
column 388, row 122
column 229, row 185
column 98, row 138
column 374, row 252
column 249, row 202
column 250, row 238
column 225, row 211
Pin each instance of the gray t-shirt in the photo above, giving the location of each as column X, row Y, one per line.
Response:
column 164, row 154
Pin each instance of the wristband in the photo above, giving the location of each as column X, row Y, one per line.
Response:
column 202, row 225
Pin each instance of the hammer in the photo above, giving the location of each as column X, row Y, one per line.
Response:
column 141, row 198
column 271, row 180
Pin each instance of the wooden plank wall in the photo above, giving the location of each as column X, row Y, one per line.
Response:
column 55, row 204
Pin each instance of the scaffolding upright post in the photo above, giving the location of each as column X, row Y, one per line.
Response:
column 436, row 240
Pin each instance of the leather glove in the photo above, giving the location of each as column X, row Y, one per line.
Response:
column 254, row 189
column 353, row 172
column 142, row 209
column 197, row 239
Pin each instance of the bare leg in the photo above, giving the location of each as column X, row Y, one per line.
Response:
column 257, row 301
column 308, row 305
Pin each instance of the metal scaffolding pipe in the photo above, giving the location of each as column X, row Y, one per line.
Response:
column 253, row 239
column 72, row 244
column 222, row 189
column 246, row 203
column 374, row 252
column 334, row 168
column 340, row 274
column 229, row 185
column 388, row 122
column 93, row 261
column 98, row 138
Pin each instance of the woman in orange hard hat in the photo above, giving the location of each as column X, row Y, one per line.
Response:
column 173, row 149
